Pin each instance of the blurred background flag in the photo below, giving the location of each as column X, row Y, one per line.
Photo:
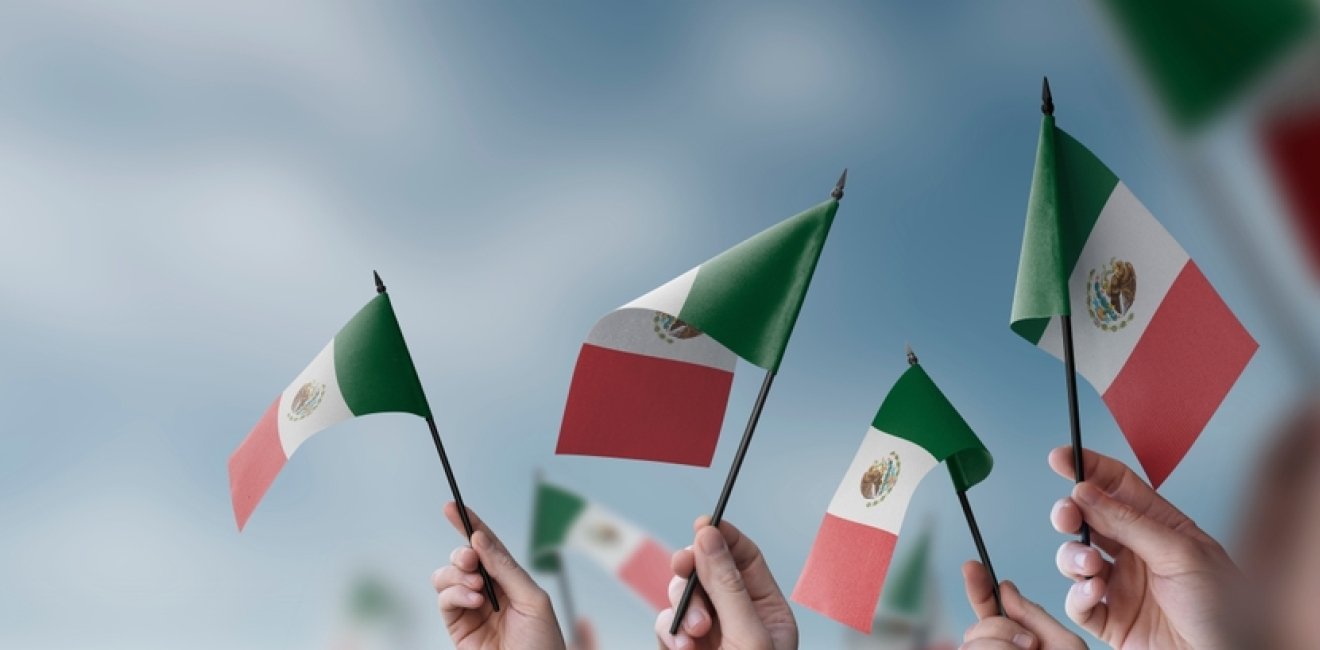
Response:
column 562, row 519
column 365, row 369
column 1152, row 336
column 376, row 617
column 910, row 616
column 653, row 377
column 915, row 429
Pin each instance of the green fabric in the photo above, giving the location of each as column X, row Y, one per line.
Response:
column 906, row 587
column 1069, row 189
column 553, row 513
column 372, row 363
column 748, row 297
column 1201, row 54
column 372, row 601
column 917, row 411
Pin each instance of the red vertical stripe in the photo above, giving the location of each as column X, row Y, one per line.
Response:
column 1188, row 358
column 255, row 463
column 647, row 572
column 846, row 571
column 628, row 405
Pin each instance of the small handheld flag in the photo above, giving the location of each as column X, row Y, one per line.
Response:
column 365, row 369
column 1152, row 335
column 915, row 429
column 563, row 519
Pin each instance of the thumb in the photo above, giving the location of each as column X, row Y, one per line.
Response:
column 1052, row 633
column 724, row 586
column 505, row 570
column 1153, row 542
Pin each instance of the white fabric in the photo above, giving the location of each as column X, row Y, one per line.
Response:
column 849, row 503
column 331, row 409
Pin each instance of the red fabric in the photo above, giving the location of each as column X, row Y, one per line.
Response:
column 647, row 572
column 1293, row 147
column 628, row 405
column 255, row 463
column 1188, row 358
column 846, row 571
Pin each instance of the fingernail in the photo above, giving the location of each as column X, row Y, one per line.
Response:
column 692, row 619
column 1086, row 493
column 682, row 641
column 1022, row 640
column 1079, row 559
column 471, row 598
column 1088, row 587
column 711, row 543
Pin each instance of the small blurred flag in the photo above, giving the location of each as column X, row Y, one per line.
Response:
column 376, row 618
column 652, row 379
column 1292, row 145
column 915, row 429
column 563, row 519
column 1151, row 334
column 365, row 369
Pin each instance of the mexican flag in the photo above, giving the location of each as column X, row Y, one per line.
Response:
column 910, row 615
column 565, row 520
column 915, row 429
column 365, row 369
column 1150, row 333
column 1200, row 56
column 653, row 377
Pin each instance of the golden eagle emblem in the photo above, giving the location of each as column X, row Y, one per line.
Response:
column 671, row 328
column 605, row 534
column 879, row 479
column 306, row 400
column 1110, row 292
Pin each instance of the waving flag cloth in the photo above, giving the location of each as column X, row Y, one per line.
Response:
column 566, row 520
column 1151, row 334
column 652, row 379
column 365, row 369
column 910, row 615
column 915, row 429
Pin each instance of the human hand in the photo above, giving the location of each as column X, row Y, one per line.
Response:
column 525, row 619
column 750, row 612
column 1028, row 626
column 1163, row 583
column 584, row 636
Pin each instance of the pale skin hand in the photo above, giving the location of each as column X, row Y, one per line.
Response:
column 1028, row 626
column 525, row 619
column 750, row 610
column 584, row 636
column 1163, row 583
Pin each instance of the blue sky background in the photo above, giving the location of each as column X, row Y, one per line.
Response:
column 193, row 199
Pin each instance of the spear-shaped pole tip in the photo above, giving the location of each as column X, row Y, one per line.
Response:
column 911, row 356
column 838, row 187
column 380, row 284
column 1046, row 98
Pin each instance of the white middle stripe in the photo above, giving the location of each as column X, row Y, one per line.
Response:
column 330, row 408
column 849, row 502
column 604, row 537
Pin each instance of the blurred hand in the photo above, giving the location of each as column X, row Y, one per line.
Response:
column 525, row 619
column 750, row 612
column 584, row 636
column 1028, row 627
column 1164, row 581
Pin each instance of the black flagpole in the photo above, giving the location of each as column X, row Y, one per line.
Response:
column 971, row 521
column 1069, row 361
column 718, row 514
column 566, row 595
column 453, row 487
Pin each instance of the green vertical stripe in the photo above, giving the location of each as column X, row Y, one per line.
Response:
column 1201, row 54
column 748, row 297
column 917, row 411
column 1069, row 188
column 905, row 590
column 554, row 512
column 372, row 363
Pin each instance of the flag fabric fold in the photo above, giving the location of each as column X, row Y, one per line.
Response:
column 915, row 429
column 563, row 519
column 652, row 379
column 1150, row 333
column 365, row 369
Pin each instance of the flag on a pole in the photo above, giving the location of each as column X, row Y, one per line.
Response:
column 915, row 429
column 910, row 615
column 365, row 369
column 563, row 519
column 1151, row 334
column 1200, row 55
column 653, row 377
